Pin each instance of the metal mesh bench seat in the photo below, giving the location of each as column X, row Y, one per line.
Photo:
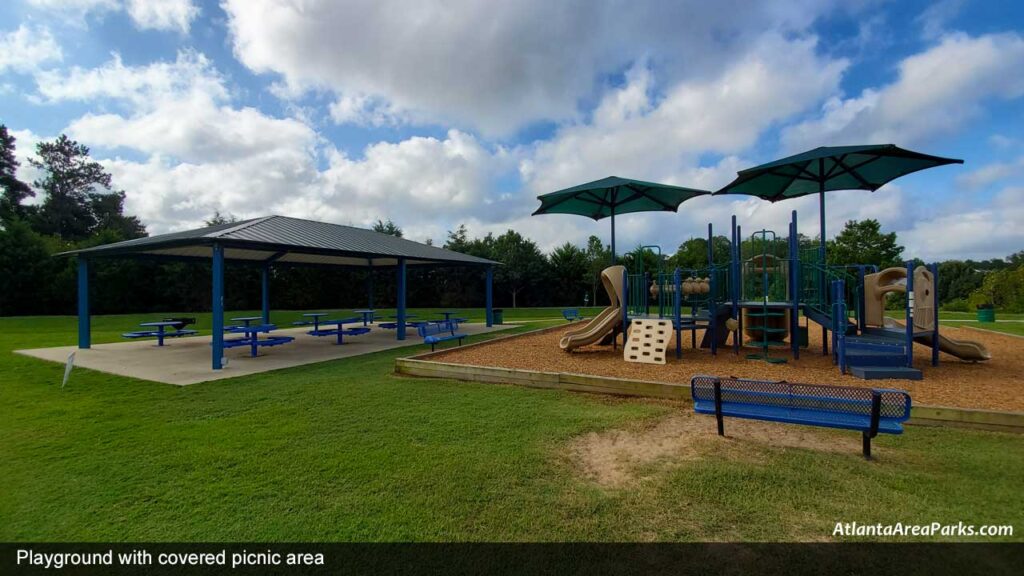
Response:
column 870, row 411
column 571, row 314
column 435, row 333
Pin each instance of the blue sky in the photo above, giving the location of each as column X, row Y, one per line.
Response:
column 436, row 114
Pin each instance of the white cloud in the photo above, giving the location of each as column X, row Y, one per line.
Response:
column 971, row 231
column 991, row 173
column 934, row 18
column 494, row 66
column 163, row 14
column 191, row 74
column 936, row 92
column 633, row 134
column 25, row 49
column 167, row 15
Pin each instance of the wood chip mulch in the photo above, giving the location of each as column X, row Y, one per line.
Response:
column 997, row 384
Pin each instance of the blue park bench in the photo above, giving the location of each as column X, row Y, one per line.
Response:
column 571, row 314
column 870, row 411
column 436, row 332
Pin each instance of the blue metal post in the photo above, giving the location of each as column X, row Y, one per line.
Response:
column 934, row 267
column 677, row 315
column 401, row 299
column 794, row 288
column 861, row 319
column 910, row 314
column 84, row 322
column 489, row 297
column 217, row 301
column 369, row 286
column 734, row 267
column 265, row 292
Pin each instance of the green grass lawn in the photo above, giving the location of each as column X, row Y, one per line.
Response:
column 1014, row 322
column 345, row 450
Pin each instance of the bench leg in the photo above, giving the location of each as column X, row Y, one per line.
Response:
column 867, row 445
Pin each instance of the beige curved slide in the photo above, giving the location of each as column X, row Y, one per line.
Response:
column 968, row 350
column 962, row 349
column 607, row 321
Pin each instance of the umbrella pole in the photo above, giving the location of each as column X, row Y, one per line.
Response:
column 613, row 234
column 821, row 257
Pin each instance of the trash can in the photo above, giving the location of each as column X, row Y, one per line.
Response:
column 986, row 314
column 499, row 315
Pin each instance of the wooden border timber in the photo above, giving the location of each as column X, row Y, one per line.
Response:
column 422, row 367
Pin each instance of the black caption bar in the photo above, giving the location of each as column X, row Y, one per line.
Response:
column 533, row 559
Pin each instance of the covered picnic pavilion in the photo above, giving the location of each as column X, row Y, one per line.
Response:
column 278, row 241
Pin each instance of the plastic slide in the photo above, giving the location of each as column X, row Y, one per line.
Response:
column 607, row 321
column 968, row 350
column 962, row 349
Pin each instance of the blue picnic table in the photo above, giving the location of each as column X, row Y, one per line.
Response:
column 340, row 331
column 316, row 316
column 448, row 314
column 251, row 337
column 367, row 314
column 160, row 333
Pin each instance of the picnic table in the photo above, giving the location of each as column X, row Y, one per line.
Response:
column 251, row 337
column 340, row 331
column 316, row 316
column 448, row 314
column 367, row 314
column 245, row 320
column 160, row 333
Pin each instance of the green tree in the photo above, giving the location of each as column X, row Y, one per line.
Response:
column 569, row 275
column 13, row 191
column 217, row 219
column 957, row 280
column 862, row 242
column 77, row 189
column 598, row 257
column 523, row 266
column 388, row 227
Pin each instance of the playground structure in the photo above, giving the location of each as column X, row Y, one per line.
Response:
column 760, row 294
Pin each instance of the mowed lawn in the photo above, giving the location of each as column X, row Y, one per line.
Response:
column 345, row 450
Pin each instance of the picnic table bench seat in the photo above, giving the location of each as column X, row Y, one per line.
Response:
column 437, row 332
column 870, row 411
column 409, row 323
column 268, row 341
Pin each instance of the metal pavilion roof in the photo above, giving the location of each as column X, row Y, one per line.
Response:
column 288, row 241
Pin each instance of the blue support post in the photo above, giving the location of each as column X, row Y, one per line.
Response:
column 861, row 319
column 677, row 280
column 401, row 299
column 794, row 288
column 265, row 292
column 734, row 267
column 489, row 297
column 910, row 314
column 934, row 267
column 369, row 286
column 84, row 321
column 217, row 302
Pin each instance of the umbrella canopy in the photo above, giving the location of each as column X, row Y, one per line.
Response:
column 831, row 168
column 613, row 195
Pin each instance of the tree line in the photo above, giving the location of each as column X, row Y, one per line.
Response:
column 73, row 205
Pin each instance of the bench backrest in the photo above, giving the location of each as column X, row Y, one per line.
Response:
column 895, row 404
column 570, row 313
column 434, row 328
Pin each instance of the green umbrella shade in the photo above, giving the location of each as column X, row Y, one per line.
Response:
column 613, row 196
column 831, row 168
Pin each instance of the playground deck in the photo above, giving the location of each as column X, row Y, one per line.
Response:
column 994, row 385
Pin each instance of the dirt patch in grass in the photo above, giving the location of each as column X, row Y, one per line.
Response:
column 617, row 458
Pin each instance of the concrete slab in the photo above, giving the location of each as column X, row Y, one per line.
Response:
column 183, row 361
